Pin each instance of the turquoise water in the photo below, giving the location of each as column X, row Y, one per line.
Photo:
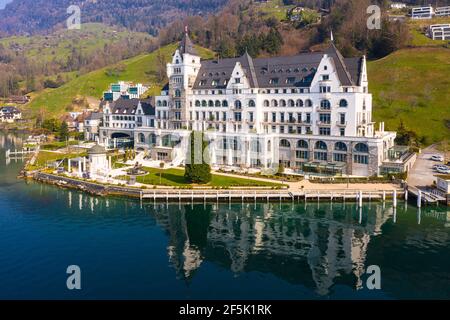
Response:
column 249, row 251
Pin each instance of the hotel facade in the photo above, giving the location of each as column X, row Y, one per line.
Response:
column 311, row 112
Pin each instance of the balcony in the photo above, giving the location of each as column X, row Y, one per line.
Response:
column 341, row 123
column 323, row 123
column 320, row 109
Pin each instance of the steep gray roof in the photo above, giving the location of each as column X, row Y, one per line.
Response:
column 95, row 116
column 291, row 71
column 128, row 106
column 274, row 72
column 186, row 45
column 342, row 69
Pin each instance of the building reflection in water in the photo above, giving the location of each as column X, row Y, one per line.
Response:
column 316, row 246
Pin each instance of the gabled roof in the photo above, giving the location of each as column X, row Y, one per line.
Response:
column 274, row 72
column 343, row 66
column 128, row 106
column 186, row 45
column 291, row 71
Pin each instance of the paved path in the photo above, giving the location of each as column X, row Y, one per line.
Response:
column 422, row 174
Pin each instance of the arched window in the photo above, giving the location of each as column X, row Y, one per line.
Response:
column 210, row 103
column 177, row 93
column 299, row 103
column 343, row 103
column 197, row 103
column 152, row 139
column 362, row 148
column 238, row 104
column 204, row 103
column 285, row 143
column 274, row 103
column 217, row 103
column 224, row 103
column 235, row 144
column 255, row 146
column 302, row 144
column 164, row 103
column 325, row 104
column 308, row 103
column 340, row 146
column 141, row 138
column 320, row 145
column 291, row 103
column 252, row 103
column 158, row 103
column 282, row 103
column 266, row 103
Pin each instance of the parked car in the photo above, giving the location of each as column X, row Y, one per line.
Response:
column 440, row 166
column 437, row 158
column 443, row 170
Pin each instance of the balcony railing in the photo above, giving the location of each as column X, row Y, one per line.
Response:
column 341, row 123
column 323, row 123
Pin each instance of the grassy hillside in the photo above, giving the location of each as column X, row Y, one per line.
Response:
column 273, row 8
column 142, row 69
column 418, row 32
column 58, row 45
column 412, row 85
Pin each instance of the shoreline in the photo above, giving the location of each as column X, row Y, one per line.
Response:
column 212, row 195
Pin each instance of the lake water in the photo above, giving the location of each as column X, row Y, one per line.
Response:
column 213, row 251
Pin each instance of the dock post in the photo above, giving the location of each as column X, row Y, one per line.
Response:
column 360, row 198
column 360, row 215
column 255, row 197
column 242, row 196
column 192, row 197
column 395, row 215
column 395, row 199
column 406, row 194
column 419, row 199
column 419, row 215
column 384, row 195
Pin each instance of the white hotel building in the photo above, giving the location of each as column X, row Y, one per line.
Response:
column 312, row 112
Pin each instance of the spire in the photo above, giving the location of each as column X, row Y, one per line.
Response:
column 186, row 45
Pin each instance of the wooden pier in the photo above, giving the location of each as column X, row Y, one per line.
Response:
column 267, row 195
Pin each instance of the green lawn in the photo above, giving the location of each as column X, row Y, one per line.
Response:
column 273, row 8
column 175, row 178
column 46, row 156
column 418, row 36
column 412, row 85
column 141, row 69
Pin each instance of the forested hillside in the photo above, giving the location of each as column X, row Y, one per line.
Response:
column 35, row 16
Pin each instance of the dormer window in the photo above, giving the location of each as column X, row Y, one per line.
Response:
column 274, row 81
column 325, row 68
column 237, row 80
column 202, row 83
column 325, row 77
column 177, row 61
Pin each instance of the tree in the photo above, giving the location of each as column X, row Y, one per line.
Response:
column 273, row 41
column 197, row 168
column 63, row 131
column 161, row 167
column 161, row 65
